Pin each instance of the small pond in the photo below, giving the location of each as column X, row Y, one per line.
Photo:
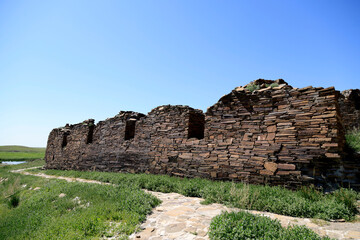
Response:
column 13, row 162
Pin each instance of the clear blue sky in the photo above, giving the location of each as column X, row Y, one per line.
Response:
column 67, row 61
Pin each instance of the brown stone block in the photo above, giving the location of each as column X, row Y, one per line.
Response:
column 186, row 155
column 278, row 135
column 283, row 173
column 332, row 155
column 284, row 124
column 325, row 116
column 257, row 158
column 248, row 126
column 271, row 129
column 308, row 144
column 205, row 155
column 320, row 139
column 270, row 136
column 284, row 166
column 233, row 175
column 285, row 158
column 266, row 172
column 270, row 166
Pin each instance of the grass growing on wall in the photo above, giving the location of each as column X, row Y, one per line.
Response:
column 36, row 208
column 353, row 139
column 20, row 153
column 252, row 87
column 306, row 202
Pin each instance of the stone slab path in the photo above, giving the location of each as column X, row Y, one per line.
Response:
column 185, row 218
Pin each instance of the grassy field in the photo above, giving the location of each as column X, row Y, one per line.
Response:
column 36, row 208
column 307, row 202
column 20, row 153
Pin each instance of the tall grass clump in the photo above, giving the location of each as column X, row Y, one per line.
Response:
column 305, row 202
column 242, row 225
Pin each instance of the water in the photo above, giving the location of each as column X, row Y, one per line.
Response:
column 14, row 162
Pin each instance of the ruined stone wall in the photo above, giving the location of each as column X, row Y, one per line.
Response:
column 108, row 150
column 277, row 133
column 274, row 135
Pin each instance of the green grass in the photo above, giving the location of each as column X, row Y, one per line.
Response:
column 272, row 85
column 252, row 87
column 353, row 139
column 20, row 153
column 85, row 212
column 242, row 225
column 307, row 202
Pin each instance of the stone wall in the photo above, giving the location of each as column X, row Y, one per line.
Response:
column 275, row 135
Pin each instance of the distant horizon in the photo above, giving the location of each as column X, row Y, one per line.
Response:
column 65, row 62
column 19, row 146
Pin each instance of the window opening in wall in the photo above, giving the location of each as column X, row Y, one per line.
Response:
column 130, row 129
column 355, row 97
column 89, row 138
column 64, row 140
column 196, row 126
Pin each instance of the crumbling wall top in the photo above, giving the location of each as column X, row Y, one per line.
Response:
column 173, row 108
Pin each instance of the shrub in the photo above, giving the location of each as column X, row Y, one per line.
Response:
column 274, row 85
column 252, row 87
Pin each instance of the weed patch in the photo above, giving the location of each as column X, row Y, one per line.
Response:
column 242, row 225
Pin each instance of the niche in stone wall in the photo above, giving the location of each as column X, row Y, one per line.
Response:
column 65, row 140
column 130, row 129
column 89, row 138
column 355, row 98
column 196, row 125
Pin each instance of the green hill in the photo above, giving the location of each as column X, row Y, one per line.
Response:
column 20, row 153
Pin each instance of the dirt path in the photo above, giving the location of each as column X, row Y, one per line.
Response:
column 180, row 217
